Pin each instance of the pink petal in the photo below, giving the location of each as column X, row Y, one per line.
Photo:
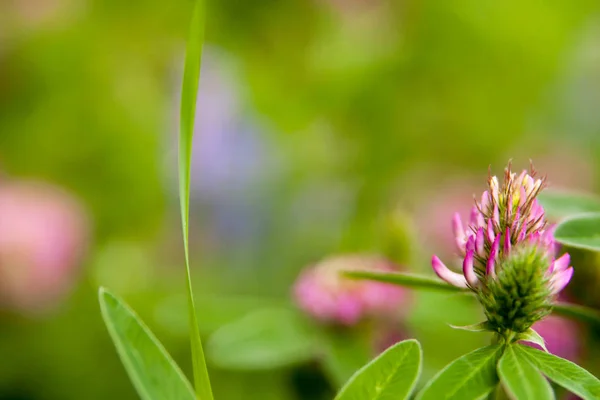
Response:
column 496, row 216
column 445, row 274
column 506, row 247
column 561, row 263
column 476, row 217
column 468, row 270
column 479, row 241
column 485, row 201
column 491, row 264
column 459, row 232
column 490, row 231
column 561, row 280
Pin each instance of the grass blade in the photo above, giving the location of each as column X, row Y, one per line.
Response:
column 575, row 311
column 191, row 78
column 407, row 280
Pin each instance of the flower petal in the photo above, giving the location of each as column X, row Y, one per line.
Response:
column 445, row 274
column 491, row 263
column 506, row 248
column 561, row 280
column 459, row 232
column 468, row 270
column 480, row 242
column 561, row 263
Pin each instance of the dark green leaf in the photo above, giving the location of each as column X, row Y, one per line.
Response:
column 408, row 280
column 562, row 204
column 582, row 232
column 520, row 378
column 189, row 91
column 565, row 373
column 392, row 375
column 152, row 371
column 472, row 376
column 265, row 339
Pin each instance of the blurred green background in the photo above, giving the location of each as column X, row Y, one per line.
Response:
column 324, row 127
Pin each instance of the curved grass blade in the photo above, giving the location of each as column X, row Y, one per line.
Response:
column 520, row 378
column 565, row 373
column 189, row 91
column 575, row 311
column 391, row 375
column 472, row 376
column 407, row 280
column 152, row 371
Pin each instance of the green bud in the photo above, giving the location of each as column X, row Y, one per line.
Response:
column 519, row 295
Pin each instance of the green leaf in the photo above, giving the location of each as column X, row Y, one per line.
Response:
column 563, row 204
column 480, row 327
column 581, row 232
column 533, row 337
column 520, row 378
column 189, row 92
column 152, row 371
column 565, row 373
column 408, row 280
column 264, row 339
column 576, row 311
column 392, row 375
column 472, row 376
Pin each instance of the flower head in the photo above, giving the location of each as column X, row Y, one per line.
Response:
column 508, row 253
column 322, row 292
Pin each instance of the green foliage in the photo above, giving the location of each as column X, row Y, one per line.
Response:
column 565, row 373
column 151, row 370
column 404, row 279
column 519, row 295
column 562, row 204
column 189, row 91
column 471, row 376
column 581, row 232
column 264, row 339
column 520, row 378
column 391, row 375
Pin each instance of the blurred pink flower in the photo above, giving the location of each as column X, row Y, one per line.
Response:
column 562, row 337
column 43, row 232
column 329, row 297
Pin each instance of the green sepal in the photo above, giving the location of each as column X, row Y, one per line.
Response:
column 480, row 327
column 533, row 337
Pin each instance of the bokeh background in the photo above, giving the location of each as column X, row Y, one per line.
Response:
column 324, row 127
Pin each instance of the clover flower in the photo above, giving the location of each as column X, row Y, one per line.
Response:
column 508, row 254
column 323, row 293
